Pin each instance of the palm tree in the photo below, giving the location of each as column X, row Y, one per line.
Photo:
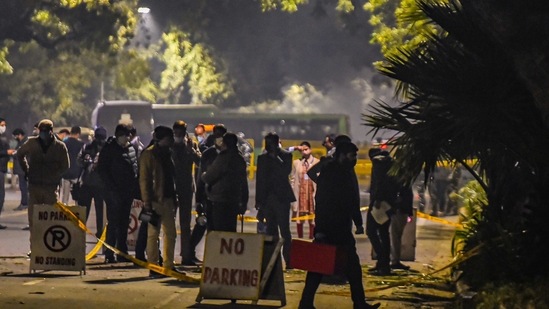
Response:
column 465, row 97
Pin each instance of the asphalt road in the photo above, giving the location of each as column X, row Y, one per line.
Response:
column 126, row 286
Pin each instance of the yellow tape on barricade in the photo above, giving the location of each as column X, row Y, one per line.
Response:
column 303, row 218
column 98, row 245
column 438, row 220
column 247, row 218
column 154, row 267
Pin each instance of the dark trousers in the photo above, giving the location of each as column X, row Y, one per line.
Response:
column 2, row 190
column 380, row 239
column 352, row 271
column 222, row 216
column 196, row 235
column 277, row 215
column 184, row 206
column 24, row 188
column 87, row 194
column 118, row 216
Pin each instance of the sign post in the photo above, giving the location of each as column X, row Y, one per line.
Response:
column 56, row 242
column 234, row 267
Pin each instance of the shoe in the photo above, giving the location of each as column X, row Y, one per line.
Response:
column 28, row 254
column 3, row 227
column 188, row 263
column 155, row 275
column 26, row 228
column 374, row 306
column 110, row 260
column 400, row 266
column 178, row 271
column 380, row 272
column 21, row 207
column 196, row 260
column 122, row 259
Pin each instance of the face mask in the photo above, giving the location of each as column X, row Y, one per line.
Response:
column 200, row 138
column 2, row 129
column 178, row 140
column 122, row 140
column 45, row 137
column 218, row 142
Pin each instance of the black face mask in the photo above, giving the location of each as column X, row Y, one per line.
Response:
column 45, row 137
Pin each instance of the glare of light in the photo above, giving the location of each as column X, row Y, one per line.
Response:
column 143, row 10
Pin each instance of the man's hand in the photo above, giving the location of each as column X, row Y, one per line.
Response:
column 359, row 230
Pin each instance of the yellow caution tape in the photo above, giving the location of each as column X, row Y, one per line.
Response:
column 438, row 220
column 153, row 267
column 98, row 245
column 303, row 218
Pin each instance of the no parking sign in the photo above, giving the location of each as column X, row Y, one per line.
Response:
column 56, row 242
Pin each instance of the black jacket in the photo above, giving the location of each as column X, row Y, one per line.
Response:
column 337, row 201
column 4, row 157
column 117, row 167
column 74, row 146
column 273, row 178
column 87, row 159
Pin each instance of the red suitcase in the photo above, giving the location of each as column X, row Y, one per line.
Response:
column 316, row 257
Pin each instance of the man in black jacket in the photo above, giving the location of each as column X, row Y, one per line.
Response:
column 5, row 153
column 227, row 185
column 337, row 199
column 92, row 185
column 383, row 188
column 184, row 153
column 273, row 192
column 117, row 166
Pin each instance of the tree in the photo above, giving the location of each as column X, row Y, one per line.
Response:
column 67, row 25
column 464, row 97
column 191, row 72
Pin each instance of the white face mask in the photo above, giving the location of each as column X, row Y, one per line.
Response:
column 218, row 142
column 2, row 129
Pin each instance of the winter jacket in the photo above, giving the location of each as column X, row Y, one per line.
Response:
column 4, row 157
column 117, row 167
column 74, row 146
column 226, row 178
column 43, row 168
column 87, row 159
column 151, row 176
column 337, row 201
column 273, row 178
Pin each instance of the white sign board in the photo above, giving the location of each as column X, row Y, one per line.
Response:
column 56, row 242
column 232, row 265
column 135, row 224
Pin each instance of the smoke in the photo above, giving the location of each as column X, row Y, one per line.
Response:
column 351, row 97
column 316, row 60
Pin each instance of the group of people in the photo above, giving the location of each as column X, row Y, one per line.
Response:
column 119, row 170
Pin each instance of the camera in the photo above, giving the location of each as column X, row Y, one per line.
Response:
column 201, row 218
column 149, row 216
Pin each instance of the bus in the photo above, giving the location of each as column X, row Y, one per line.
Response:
column 255, row 125
column 109, row 114
column 145, row 116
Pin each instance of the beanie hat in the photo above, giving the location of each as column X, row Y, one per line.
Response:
column 100, row 131
column 161, row 132
column 45, row 125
